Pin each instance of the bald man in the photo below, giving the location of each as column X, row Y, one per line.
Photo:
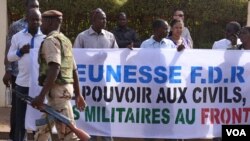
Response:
column 21, row 43
column 96, row 36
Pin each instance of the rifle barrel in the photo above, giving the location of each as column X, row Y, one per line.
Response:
column 82, row 135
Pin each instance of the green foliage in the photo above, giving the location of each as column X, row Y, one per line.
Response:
column 206, row 19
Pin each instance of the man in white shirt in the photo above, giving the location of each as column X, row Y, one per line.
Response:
column 158, row 40
column 231, row 39
column 21, row 43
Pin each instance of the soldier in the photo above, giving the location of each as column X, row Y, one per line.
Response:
column 58, row 76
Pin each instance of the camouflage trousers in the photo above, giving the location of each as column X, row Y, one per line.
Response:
column 59, row 99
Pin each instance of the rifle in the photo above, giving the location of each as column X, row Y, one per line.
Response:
column 82, row 135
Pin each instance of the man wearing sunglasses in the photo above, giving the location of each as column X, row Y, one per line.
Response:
column 179, row 14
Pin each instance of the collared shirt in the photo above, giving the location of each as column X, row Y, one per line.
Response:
column 224, row 44
column 151, row 43
column 91, row 39
column 125, row 36
column 13, row 29
column 17, row 42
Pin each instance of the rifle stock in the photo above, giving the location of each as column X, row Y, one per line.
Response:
column 82, row 135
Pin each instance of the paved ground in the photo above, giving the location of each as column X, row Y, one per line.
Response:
column 4, row 123
column 4, row 128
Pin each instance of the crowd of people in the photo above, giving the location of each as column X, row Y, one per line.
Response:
column 58, row 72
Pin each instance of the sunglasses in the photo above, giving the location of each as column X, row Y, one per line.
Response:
column 180, row 15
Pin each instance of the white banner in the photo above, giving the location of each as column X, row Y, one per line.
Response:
column 162, row 93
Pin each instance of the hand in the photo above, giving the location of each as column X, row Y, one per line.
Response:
column 130, row 46
column 233, row 38
column 25, row 49
column 7, row 79
column 37, row 103
column 80, row 103
column 180, row 47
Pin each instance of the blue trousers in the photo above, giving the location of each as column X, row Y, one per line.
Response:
column 13, row 109
column 20, row 114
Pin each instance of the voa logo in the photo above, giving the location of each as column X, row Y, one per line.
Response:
column 236, row 132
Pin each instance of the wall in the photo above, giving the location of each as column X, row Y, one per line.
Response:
column 3, row 25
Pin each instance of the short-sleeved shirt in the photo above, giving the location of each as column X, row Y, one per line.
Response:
column 91, row 39
column 224, row 44
column 151, row 43
column 124, row 37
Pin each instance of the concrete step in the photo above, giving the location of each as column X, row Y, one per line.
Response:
column 4, row 123
column 4, row 136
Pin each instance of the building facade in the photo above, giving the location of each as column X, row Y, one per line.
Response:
column 3, row 32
